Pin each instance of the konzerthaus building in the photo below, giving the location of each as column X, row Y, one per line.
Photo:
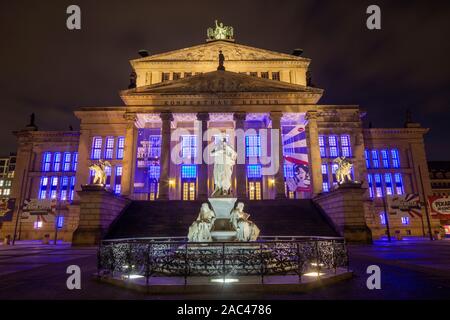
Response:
column 175, row 95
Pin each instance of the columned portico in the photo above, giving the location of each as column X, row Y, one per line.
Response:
column 314, row 151
column 279, row 176
column 241, row 183
column 166, row 118
column 129, row 154
column 202, row 183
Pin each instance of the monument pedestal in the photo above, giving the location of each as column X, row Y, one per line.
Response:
column 222, row 229
column 98, row 209
column 344, row 205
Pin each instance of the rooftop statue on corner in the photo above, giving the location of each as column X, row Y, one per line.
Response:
column 343, row 171
column 100, row 172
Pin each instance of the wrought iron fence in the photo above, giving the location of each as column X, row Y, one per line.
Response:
column 149, row 257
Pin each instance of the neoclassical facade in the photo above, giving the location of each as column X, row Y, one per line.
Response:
column 179, row 104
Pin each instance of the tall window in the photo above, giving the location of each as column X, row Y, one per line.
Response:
column 96, row 148
column 265, row 75
column 43, row 188
column 399, row 183
column 325, row 184
column 67, row 159
column 109, row 148
column 108, row 177
column 254, row 181
column 385, row 158
column 118, row 180
column 378, row 186
column 153, row 174
column 72, row 188
column 53, row 187
column 332, row 142
column 75, row 161
column 375, row 159
column 253, row 145
column 64, row 188
column 60, row 222
column 388, row 182
column 395, row 158
column 276, row 76
column 367, row 156
column 188, row 181
column 322, row 146
column 382, row 218
column 346, row 149
column 120, row 147
column 370, row 183
column 57, row 162
column 46, row 161
column 188, row 146
column 154, row 146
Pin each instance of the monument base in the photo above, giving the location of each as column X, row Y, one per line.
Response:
column 222, row 229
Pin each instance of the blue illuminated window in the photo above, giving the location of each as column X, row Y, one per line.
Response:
column 333, row 144
column 378, row 186
column 324, row 168
column 60, row 222
column 370, row 183
column 109, row 148
column 188, row 171
column 346, row 149
column 322, row 146
column 72, row 188
column 120, row 147
column 325, row 184
column 399, row 183
column 46, row 161
column 57, row 162
column 67, row 161
column 43, row 188
column 395, row 158
column 288, row 171
column 96, row 148
column 154, row 146
column 388, row 182
column 382, row 218
column 53, row 187
column 188, row 146
column 118, row 180
column 375, row 159
column 74, row 161
column 405, row 220
column 254, row 171
column 367, row 156
column 154, row 172
column 108, row 176
column 385, row 158
column 325, row 187
column 253, row 145
column 64, row 188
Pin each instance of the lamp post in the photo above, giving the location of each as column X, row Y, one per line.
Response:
column 426, row 204
column 386, row 218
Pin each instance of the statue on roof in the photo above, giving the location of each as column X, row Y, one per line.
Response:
column 220, row 32
column 221, row 61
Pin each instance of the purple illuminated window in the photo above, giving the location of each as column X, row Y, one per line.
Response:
column 96, row 148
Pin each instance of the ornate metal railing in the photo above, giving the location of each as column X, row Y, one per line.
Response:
column 149, row 257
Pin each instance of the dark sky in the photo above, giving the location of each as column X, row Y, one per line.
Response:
column 49, row 70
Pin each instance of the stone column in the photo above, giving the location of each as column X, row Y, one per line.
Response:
column 315, row 161
column 279, row 176
column 202, row 178
column 241, row 181
column 128, row 155
column 166, row 118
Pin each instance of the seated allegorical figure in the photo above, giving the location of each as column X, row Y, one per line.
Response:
column 246, row 229
column 200, row 230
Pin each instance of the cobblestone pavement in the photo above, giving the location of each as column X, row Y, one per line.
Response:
column 411, row 269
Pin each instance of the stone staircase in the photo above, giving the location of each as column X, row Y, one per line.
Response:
column 172, row 218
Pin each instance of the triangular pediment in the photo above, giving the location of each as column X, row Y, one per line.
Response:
column 232, row 52
column 221, row 81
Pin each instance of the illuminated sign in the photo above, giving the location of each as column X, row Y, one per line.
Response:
column 440, row 206
column 407, row 203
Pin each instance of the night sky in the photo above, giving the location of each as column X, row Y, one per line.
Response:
column 49, row 70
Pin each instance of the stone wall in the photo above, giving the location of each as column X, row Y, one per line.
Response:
column 345, row 207
column 98, row 210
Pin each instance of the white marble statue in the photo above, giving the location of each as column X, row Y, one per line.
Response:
column 344, row 169
column 224, row 160
column 246, row 229
column 100, row 171
column 200, row 230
